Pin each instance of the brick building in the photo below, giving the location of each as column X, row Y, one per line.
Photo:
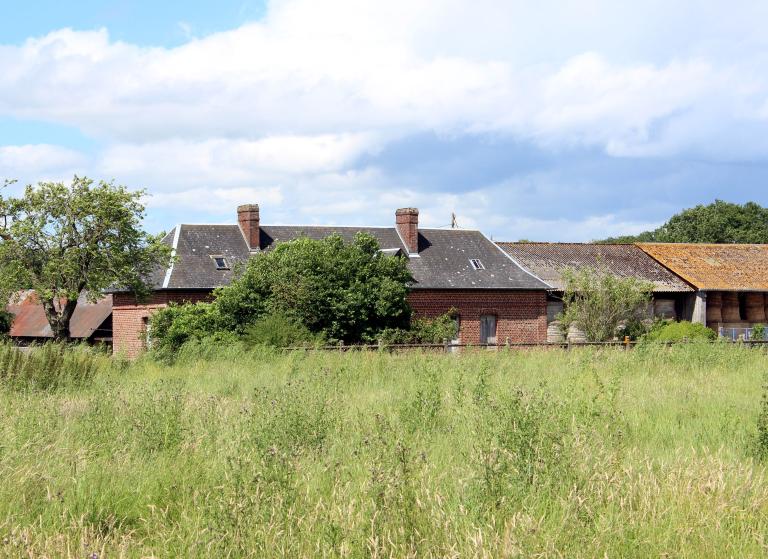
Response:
column 671, row 296
column 731, row 290
column 496, row 299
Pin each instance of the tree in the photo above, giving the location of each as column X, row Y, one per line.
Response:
column 347, row 291
column 336, row 290
column 719, row 222
column 71, row 241
column 599, row 302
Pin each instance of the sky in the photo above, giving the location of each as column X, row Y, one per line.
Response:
column 549, row 120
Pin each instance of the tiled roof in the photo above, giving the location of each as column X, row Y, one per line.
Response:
column 549, row 260
column 720, row 267
column 443, row 261
column 30, row 321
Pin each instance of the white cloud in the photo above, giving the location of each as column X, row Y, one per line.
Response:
column 282, row 109
column 222, row 161
column 47, row 161
column 346, row 66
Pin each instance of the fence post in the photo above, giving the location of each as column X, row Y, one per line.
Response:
column 446, row 349
column 341, row 345
column 380, row 344
column 626, row 342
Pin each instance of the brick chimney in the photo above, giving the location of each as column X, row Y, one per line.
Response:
column 248, row 219
column 407, row 221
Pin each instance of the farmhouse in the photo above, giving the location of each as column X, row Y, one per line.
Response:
column 730, row 281
column 496, row 299
column 672, row 297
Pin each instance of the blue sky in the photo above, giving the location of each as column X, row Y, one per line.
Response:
column 559, row 121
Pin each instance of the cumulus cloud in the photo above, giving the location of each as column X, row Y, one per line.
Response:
column 287, row 106
column 48, row 161
column 311, row 68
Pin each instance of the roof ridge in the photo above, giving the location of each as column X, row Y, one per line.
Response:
column 553, row 243
column 656, row 243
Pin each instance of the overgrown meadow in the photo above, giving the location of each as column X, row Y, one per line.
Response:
column 655, row 452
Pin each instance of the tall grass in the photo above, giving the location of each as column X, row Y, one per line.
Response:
column 654, row 452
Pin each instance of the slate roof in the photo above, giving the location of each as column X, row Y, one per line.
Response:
column 549, row 260
column 30, row 321
column 718, row 267
column 443, row 261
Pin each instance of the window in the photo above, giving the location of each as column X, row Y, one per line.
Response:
column 221, row 262
column 488, row 329
column 476, row 264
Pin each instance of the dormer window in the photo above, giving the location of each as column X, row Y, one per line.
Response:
column 221, row 262
column 476, row 264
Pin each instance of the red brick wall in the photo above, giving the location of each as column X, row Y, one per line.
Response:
column 521, row 316
column 128, row 317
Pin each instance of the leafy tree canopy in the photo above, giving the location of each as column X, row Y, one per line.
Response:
column 599, row 302
column 341, row 291
column 65, row 241
column 719, row 222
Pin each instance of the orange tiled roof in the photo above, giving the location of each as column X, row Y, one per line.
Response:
column 719, row 267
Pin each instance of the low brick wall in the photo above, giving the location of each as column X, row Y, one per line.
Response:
column 521, row 316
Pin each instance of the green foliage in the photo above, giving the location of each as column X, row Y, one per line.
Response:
column 278, row 330
column 346, row 291
column 424, row 330
column 520, row 445
column 258, row 453
column 302, row 291
column 48, row 367
column 65, row 241
column 670, row 331
column 761, row 439
column 174, row 325
column 600, row 302
column 719, row 222
column 6, row 320
column 758, row 332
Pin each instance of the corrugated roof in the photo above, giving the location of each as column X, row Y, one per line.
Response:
column 549, row 260
column 30, row 321
column 443, row 261
column 719, row 267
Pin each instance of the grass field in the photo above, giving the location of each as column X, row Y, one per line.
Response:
column 588, row 453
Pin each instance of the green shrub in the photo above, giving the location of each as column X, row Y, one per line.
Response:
column 635, row 329
column 347, row 291
column 174, row 325
column 758, row 332
column 279, row 330
column 423, row 331
column 668, row 331
column 336, row 290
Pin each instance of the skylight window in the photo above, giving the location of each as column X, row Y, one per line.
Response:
column 476, row 264
column 221, row 262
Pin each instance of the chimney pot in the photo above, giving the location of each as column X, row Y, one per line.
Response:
column 407, row 222
column 248, row 219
